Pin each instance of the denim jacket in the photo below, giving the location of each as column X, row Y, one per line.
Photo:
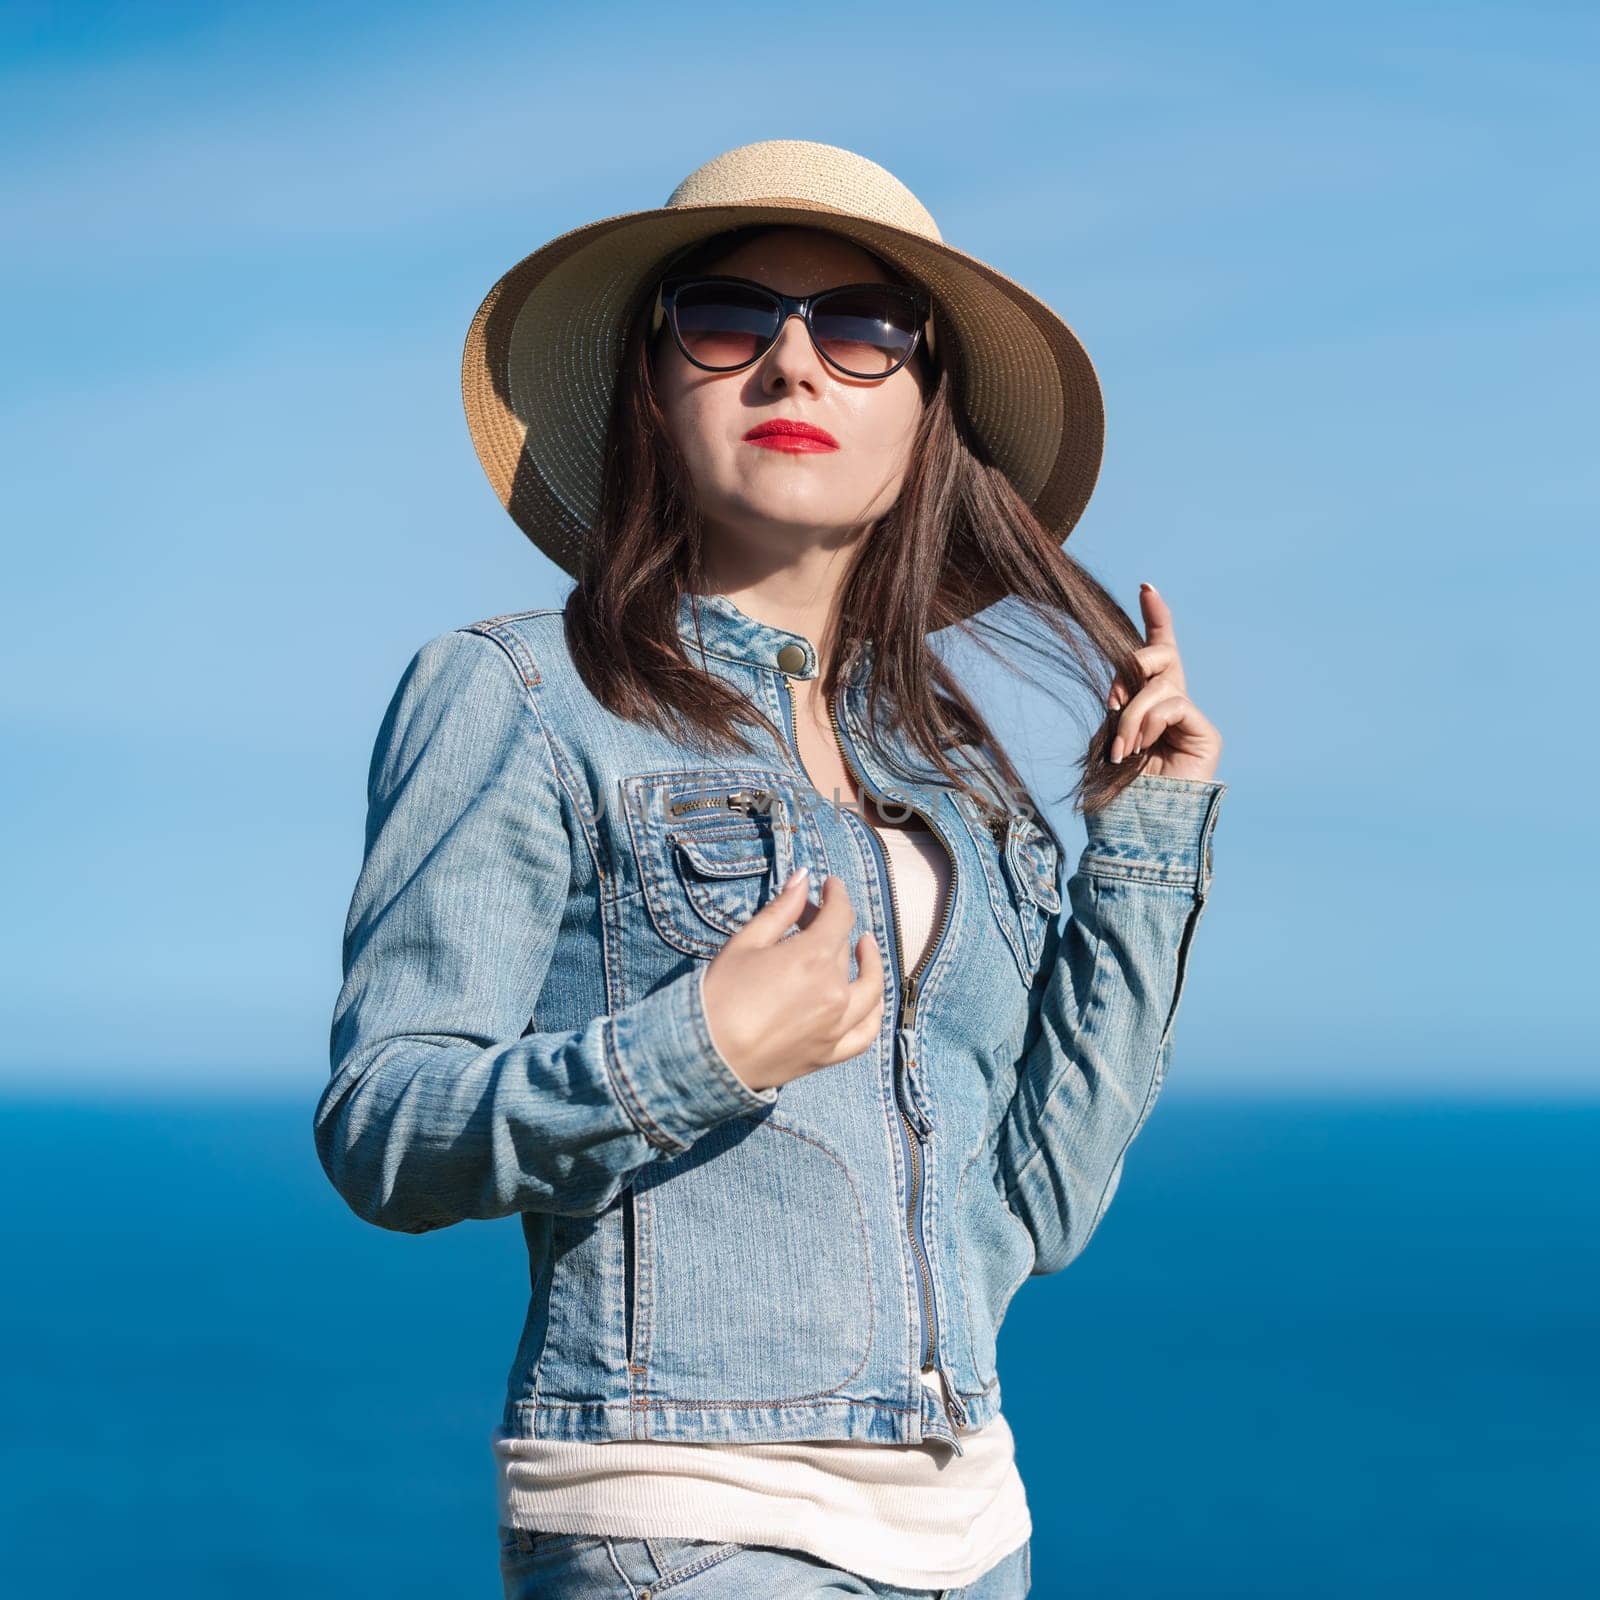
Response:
column 521, row 1030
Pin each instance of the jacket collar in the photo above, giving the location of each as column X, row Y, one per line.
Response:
column 731, row 634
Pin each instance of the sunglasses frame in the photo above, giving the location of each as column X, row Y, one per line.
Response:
column 666, row 310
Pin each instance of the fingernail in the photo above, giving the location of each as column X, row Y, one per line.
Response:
column 799, row 872
column 1151, row 587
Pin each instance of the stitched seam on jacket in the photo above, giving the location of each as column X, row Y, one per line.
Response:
column 1069, row 1065
column 622, row 1086
column 713, row 1405
column 1137, row 872
column 629, row 1096
column 999, row 893
column 515, row 647
column 966, row 1298
column 1155, row 1070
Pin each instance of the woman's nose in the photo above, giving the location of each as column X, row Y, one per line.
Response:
column 792, row 356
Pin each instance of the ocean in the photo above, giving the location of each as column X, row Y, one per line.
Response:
column 1317, row 1348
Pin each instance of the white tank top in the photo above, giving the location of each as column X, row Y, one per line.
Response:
column 917, row 1515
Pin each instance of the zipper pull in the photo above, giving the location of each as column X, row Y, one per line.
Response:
column 953, row 1405
column 908, row 999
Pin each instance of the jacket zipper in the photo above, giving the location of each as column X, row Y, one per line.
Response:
column 906, row 985
column 733, row 800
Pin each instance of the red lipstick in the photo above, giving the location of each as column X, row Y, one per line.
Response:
column 784, row 433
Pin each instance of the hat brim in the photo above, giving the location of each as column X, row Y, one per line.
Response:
column 544, row 348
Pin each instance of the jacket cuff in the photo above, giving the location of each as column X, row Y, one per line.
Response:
column 672, row 1077
column 1157, row 830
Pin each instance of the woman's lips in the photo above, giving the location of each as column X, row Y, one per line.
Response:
column 784, row 434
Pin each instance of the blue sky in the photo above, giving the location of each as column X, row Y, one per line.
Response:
column 1336, row 268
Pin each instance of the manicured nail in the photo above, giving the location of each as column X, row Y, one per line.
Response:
column 799, row 872
column 1116, row 749
column 1151, row 587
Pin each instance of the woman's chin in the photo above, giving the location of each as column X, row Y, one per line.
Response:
column 791, row 512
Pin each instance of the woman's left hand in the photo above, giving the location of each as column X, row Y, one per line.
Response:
column 1161, row 718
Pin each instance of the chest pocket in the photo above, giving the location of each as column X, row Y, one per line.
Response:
column 1021, row 861
column 713, row 847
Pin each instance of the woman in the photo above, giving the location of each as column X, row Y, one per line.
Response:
column 704, row 924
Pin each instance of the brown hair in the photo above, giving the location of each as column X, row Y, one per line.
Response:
column 958, row 538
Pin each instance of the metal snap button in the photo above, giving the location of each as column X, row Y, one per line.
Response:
column 792, row 658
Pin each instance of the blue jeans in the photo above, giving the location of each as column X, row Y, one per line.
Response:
column 584, row 1566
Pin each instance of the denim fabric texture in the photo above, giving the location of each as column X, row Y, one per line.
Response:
column 581, row 1566
column 521, row 1031
column 589, row 1567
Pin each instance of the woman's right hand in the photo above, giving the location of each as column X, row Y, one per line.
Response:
column 779, row 1008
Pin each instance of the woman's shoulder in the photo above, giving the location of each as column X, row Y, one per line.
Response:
column 496, row 659
column 537, row 622
column 534, row 639
column 533, row 644
column 510, row 619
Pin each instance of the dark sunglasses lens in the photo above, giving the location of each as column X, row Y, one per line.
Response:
column 723, row 325
column 865, row 331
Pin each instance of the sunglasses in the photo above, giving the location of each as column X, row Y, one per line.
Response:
column 864, row 330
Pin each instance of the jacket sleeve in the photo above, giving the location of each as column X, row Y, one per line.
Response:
column 1099, row 1035
column 442, row 1106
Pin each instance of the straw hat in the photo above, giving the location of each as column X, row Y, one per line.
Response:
column 543, row 351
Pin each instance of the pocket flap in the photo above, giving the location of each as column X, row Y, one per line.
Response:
column 722, row 855
column 1034, row 857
